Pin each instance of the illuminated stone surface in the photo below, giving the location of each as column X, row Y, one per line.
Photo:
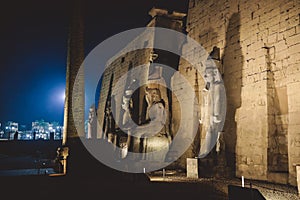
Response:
column 259, row 62
column 259, row 47
column 192, row 167
column 74, row 98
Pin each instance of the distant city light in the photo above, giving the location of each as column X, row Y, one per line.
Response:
column 40, row 129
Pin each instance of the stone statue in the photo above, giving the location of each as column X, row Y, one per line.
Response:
column 109, row 122
column 127, row 106
column 153, row 133
column 220, row 146
column 92, row 123
column 127, row 122
column 155, row 114
column 211, row 115
column 61, row 159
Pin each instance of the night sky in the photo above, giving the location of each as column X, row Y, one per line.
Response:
column 33, row 40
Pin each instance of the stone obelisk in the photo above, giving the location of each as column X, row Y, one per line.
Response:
column 74, row 93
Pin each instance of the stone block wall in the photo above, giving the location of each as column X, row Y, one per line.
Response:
column 260, row 62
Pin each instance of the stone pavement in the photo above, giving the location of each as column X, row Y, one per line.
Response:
column 270, row 191
column 172, row 186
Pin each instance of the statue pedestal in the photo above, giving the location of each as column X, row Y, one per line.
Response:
column 192, row 167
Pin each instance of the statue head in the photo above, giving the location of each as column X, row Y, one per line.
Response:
column 153, row 95
column 212, row 75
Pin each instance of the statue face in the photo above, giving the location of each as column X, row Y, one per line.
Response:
column 217, row 75
column 212, row 75
column 152, row 95
column 156, row 96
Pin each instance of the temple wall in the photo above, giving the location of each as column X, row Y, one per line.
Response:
column 260, row 62
column 259, row 44
column 115, row 71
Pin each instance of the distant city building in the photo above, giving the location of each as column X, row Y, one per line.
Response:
column 10, row 129
column 46, row 130
column 26, row 135
column 11, row 126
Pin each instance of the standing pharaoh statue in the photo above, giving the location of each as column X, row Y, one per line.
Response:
column 92, row 123
column 126, row 120
column 212, row 114
column 109, row 123
column 127, row 106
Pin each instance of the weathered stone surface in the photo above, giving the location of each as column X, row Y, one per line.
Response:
column 192, row 167
column 74, row 100
column 259, row 42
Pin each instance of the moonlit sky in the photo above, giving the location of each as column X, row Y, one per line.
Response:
column 33, row 38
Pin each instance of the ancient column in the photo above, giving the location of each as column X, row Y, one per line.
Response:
column 74, row 93
column 74, row 96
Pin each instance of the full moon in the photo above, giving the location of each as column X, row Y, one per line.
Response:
column 63, row 96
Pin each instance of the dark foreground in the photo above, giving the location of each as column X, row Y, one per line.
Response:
column 87, row 178
column 42, row 187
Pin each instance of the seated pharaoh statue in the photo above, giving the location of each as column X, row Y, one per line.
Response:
column 152, row 134
column 155, row 114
